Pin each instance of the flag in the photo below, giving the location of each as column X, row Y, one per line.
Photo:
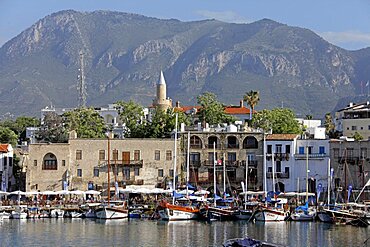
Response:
column 367, row 84
column 349, row 192
column 219, row 162
column 368, row 183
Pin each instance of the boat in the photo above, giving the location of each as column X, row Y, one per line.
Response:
column 247, row 242
column 5, row 215
column 303, row 213
column 111, row 211
column 267, row 213
column 19, row 213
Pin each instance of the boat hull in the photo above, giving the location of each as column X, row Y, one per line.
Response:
column 270, row 215
column 177, row 214
column 107, row 213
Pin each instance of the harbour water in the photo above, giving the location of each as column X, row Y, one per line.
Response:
column 85, row 232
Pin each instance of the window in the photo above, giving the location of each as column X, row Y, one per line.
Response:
column 35, row 162
column 287, row 149
column 157, row 155
column 269, row 169
column 301, row 150
column 310, row 149
column 96, row 172
column 278, row 148
column 363, row 152
column 137, row 171
column 160, row 173
column 349, row 152
column 79, row 172
column 231, row 156
column 354, row 127
column 278, row 166
column 115, row 154
column 368, row 127
column 269, row 149
column 321, row 150
column 211, row 158
column 101, row 154
column 126, row 173
column 287, row 170
column 50, row 162
column 137, row 155
column 168, row 155
column 63, row 163
column 170, row 173
column 78, row 154
column 195, row 158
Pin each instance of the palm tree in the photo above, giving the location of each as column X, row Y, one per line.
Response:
column 252, row 98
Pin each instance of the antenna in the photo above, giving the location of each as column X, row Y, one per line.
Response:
column 81, row 86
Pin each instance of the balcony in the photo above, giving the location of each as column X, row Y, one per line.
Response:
column 136, row 163
column 279, row 156
column 310, row 156
column 209, row 145
column 195, row 163
column 232, row 145
column 278, row 174
column 251, row 163
column 196, row 145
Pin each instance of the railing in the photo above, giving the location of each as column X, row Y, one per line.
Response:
column 278, row 156
column 232, row 145
column 217, row 146
column 251, row 163
column 103, row 163
column 196, row 146
column 278, row 174
column 310, row 156
column 195, row 163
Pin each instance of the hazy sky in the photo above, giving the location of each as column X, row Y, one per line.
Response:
column 345, row 23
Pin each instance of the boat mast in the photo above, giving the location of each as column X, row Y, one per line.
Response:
column 329, row 181
column 273, row 171
column 306, row 173
column 108, row 164
column 246, row 183
column 264, row 166
column 223, row 161
column 214, row 173
column 187, row 165
column 174, row 162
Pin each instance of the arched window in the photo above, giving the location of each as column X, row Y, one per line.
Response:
column 50, row 162
column 211, row 140
column 250, row 142
column 195, row 142
column 232, row 142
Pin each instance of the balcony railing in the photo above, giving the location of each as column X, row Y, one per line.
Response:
column 232, row 145
column 251, row 163
column 310, row 156
column 103, row 163
column 278, row 156
column 195, row 163
column 278, row 174
column 217, row 146
column 196, row 145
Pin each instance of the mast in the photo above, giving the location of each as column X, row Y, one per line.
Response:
column 223, row 161
column 307, row 174
column 187, row 165
column 174, row 162
column 329, row 181
column 264, row 165
column 214, row 173
column 246, row 183
column 108, row 170
column 273, row 172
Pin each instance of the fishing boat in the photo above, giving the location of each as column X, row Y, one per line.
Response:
column 303, row 213
column 266, row 213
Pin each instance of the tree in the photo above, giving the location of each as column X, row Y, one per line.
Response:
column 20, row 124
column 329, row 125
column 280, row 120
column 8, row 136
column 211, row 110
column 131, row 114
column 52, row 129
column 86, row 122
column 252, row 98
column 357, row 136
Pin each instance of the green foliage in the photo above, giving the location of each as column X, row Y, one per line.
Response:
column 357, row 136
column 131, row 114
column 252, row 98
column 211, row 110
column 86, row 122
column 20, row 124
column 280, row 120
column 8, row 136
column 329, row 125
column 52, row 129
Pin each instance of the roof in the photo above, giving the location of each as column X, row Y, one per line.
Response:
column 4, row 148
column 161, row 80
column 282, row 137
column 237, row 110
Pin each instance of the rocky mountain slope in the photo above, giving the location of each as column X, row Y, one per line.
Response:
column 124, row 54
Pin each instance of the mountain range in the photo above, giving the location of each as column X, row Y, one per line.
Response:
column 124, row 53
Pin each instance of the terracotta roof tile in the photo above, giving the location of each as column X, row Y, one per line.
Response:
column 281, row 137
column 3, row 148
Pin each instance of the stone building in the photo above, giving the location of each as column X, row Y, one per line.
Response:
column 227, row 146
column 351, row 163
column 83, row 163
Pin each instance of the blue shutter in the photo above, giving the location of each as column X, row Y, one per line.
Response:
column 301, row 150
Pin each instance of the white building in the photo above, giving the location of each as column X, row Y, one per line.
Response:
column 6, row 167
column 290, row 158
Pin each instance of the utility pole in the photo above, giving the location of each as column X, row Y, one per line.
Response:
column 81, row 86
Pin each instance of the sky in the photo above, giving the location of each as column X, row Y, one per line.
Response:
column 345, row 23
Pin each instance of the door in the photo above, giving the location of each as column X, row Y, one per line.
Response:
column 126, row 158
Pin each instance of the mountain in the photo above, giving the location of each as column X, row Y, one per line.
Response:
column 124, row 54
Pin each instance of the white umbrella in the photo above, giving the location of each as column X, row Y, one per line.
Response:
column 92, row 192
column 31, row 193
column 62, row 192
column 48, row 192
column 17, row 192
column 143, row 190
column 127, row 190
column 183, row 192
column 3, row 193
column 201, row 192
column 77, row 192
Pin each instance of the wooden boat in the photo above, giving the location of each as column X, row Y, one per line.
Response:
column 264, row 213
column 111, row 212
column 171, row 212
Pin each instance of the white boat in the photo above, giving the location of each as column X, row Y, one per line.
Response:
column 177, row 212
column 270, row 214
column 57, row 213
column 19, row 214
column 107, row 212
column 302, row 215
column 5, row 215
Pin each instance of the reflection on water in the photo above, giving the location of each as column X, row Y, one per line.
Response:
column 86, row 232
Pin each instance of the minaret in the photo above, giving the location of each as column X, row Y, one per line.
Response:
column 161, row 101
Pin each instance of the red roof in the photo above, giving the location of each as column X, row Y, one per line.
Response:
column 232, row 110
column 3, row 148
